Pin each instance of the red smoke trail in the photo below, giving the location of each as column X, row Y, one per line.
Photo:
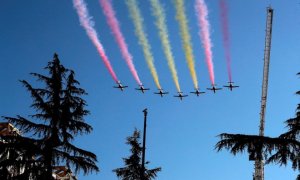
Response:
column 224, row 20
column 202, row 13
column 88, row 24
column 115, row 28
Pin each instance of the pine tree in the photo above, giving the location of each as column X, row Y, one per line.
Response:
column 60, row 112
column 281, row 150
column 133, row 168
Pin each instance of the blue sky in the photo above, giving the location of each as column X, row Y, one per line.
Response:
column 181, row 134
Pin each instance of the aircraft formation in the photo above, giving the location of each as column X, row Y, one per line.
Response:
column 159, row 14
column 180, row 95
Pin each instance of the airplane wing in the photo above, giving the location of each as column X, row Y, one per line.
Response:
column 227, row 86
column 181, row 96
column 165, row 93
column 209, row 88
column 218, row 88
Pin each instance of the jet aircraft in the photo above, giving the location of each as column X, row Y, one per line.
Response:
column 120, row 86
column 161, row 92
column 231, row 86
column 142, row 89
column 180, row 96
column 197, row 92
column 213, row 88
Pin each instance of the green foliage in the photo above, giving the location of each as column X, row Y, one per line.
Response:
column 59, row 117
column 281, row 150
column 133, row 167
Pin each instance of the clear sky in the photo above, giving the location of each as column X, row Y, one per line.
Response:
column 181, row 134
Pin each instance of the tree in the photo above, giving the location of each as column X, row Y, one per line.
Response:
column 60, row 112
column 133, row 168
column 16, row 158
column 281, row 150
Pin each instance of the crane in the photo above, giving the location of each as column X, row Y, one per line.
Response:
column 259, row 164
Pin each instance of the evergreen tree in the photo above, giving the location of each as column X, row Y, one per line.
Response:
column 281, row 150
column 133, row 167
column 59, row 118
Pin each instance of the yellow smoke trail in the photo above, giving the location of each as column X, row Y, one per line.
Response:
column 186, row 39
column 159, row 13
column 142, row 36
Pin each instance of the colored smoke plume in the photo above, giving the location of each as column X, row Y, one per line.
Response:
column 160, row 15
column 202, row 14
column 116, row 31
column 88, row 24
column 137, row 19
column 226, row 37
column 186, row 39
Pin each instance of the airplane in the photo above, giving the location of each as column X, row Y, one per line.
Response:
column 197, row 92
column 231, row 86
column 120, row 86
column 214, row 89
column 161, row 92
column 142, row 89
column 180, row 95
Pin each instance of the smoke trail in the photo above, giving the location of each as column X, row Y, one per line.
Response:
column 186, row 39
column 226, row 42
column 115, row 28
column 142, row 36
column 159, row 13
column 202, row 13
column 88, row 24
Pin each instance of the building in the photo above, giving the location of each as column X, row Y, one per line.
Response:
column 63, row 173
column 7, row 129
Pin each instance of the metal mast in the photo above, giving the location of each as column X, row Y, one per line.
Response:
column 259, row 164
column 144, row 144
